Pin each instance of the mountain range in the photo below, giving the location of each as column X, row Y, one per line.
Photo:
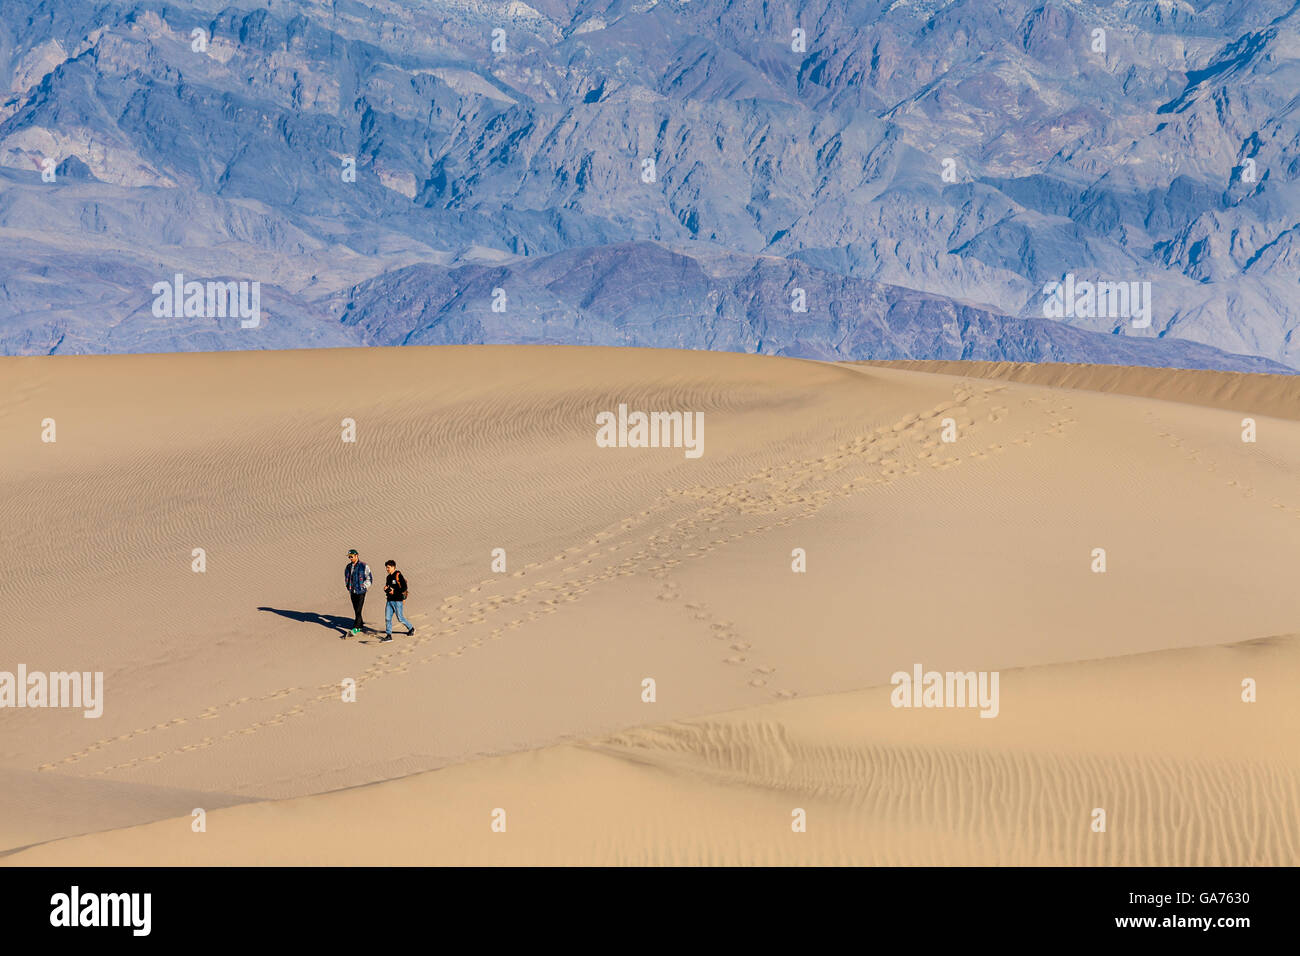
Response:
column 825, row 179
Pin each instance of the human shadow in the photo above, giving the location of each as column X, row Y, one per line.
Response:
column 341, row 625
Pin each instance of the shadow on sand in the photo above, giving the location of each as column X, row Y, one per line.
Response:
column 339, row 625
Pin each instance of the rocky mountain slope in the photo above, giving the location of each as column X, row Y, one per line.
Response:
column 860, row 180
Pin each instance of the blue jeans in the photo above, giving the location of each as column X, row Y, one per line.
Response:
column 391, row 608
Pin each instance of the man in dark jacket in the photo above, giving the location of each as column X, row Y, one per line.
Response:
column 357, row 579
column 395, row 588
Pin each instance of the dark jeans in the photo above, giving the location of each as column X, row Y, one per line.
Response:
column 357, row 601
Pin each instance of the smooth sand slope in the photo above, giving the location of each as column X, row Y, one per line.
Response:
column 625, row 564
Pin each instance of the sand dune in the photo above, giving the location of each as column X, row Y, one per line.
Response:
column 629, row 563
column 36, row 806
column 1186, row 772
column 1275, row 395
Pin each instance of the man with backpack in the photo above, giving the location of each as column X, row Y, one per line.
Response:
column 357, row 579
column 396, row 588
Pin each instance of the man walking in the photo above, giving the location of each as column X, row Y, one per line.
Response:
column 357, row 579
column 395, row 588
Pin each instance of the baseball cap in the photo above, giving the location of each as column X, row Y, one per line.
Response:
column 352, row 552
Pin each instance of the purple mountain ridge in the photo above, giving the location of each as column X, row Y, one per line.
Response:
column 819, row 179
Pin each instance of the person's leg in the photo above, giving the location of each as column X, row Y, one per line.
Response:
column 399, row 610
column 388, row 617
column 357, row 601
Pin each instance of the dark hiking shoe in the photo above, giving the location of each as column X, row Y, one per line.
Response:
column 386, row 639
column 410, row 632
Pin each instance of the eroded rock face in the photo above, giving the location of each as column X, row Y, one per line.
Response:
column 670, row 173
